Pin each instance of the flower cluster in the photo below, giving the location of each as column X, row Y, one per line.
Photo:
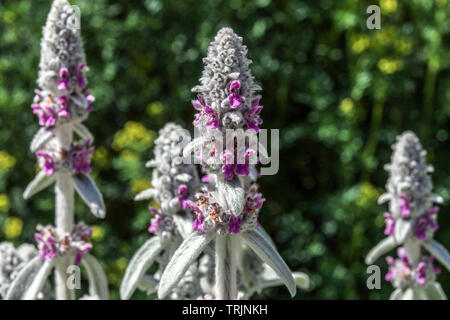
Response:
column 51, row 244
column 403, row 273
column 52, row 157
column 162, row 224
column 210, row 214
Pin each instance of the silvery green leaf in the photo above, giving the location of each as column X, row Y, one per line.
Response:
column 438, row 251
column 384, row 197
column 98, row 284
column 396, row 295
column 39, row 280
column 436, row 198
column 88, row 191
column 301, row 280
column 146, row 194
column 39, row 183
column 24, row 279
column 41, row 137
column 231, row 195
column 184, row 226
column 138, row 265
column 83, row 132
column 433, row 291
column 191, row 146
column 383, row 247
column 148, row 283
column 402, row 229
column 183, row 177
column 408, row 294
column 183, row 257
column 269, row 255
column 264, row 234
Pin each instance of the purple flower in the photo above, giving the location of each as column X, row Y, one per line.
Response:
column 229, row 169
column 390, row 224
column 81, row 158
column 90, row 99
column 46, row 243
column 206, row 178
column 47, row 114
column 154, row 226
column 204, row 110
column 404, row 206
column 390, row 275
column 425, row 222
column 63, row 108
column 421, row 275
column 182, row 196
column 234, row 98
column 198, row 223
column 81, row 251
column 63, row 82
column 49, row 163
column 79, row 75
column 252, row 117
column 234, row 224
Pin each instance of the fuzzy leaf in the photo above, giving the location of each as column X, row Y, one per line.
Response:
column 264, row 234
column 146, row 194
column 139, row 264
column 396, row 295
column 98, row 284
column 39, row 280
column 88, row 191
column 381, row 248
column 184, row 225
column 433, row 291
column 408, row 294
column 41, row 137
column 24, row 279
column 188, row 251
column 83, row 132
column 191, row 146
column 148, row 284
column 269, row 255
column 439, row 252
column 183, row 177
column 39, row 183
column 402, row 229
column 301, row 280
column 230, row 195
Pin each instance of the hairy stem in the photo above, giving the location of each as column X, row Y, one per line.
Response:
column 226, row 259
column 64, row 219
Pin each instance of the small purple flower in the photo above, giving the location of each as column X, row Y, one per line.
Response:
column 182, row 196
column 90, row 99
column 204, row 110
column 47, row 114
column 63, row 107
column 234, row 98
column 198, row 223
column 63, row 82
column 206, row 178
column 427, row 221
column 404, row 206
column 421, row 275
column 79, row 75
column 252, row 118
column 155, row 222
column 234, row 224
column 229, row 168
column 81, row 252
column 49, row 163
column 81, row 158
column 390, row 275
column 390, row 223
column 46, row 243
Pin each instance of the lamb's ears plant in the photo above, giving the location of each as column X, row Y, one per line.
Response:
column 62, row 104
column 411, row 223
column 227, row 211
column 173, row 184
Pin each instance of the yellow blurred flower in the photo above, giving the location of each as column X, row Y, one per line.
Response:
column 367, row 193
column 98, row 233
column 4, row 202
column 388, row 6
column 389, row 66
column 121, row 263
column 360, row 43
column 7, row 161
column 12, row 227
column 155, row 109
column 385, row 36
column 101, row 157
column 133, row 132
column 346, row 106
column 113, row 277
column 138, row 185
column 404, row 46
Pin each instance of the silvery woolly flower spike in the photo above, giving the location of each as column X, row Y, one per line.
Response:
column 62, row 104
column 173, row 184
column 411, row 223
column 227, row 209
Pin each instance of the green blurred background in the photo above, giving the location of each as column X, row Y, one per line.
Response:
column 338, row 92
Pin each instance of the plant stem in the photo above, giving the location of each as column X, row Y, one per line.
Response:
column 226, row 287
column 64, row 220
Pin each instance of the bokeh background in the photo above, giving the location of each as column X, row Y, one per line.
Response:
column 338, row 92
